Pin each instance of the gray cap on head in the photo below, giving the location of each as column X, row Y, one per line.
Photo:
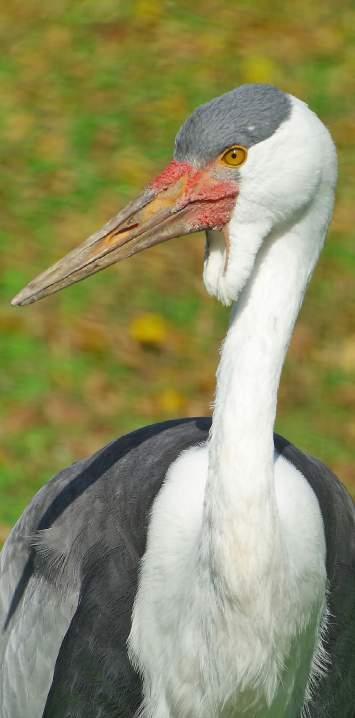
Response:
column 244, row 116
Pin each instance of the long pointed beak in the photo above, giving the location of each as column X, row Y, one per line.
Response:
column 181, row 200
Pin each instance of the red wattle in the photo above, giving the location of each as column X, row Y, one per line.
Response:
column 211, row 215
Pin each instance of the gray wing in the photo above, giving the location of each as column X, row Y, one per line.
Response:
column 34, row 616
column 68, row 578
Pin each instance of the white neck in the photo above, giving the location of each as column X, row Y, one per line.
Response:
column 240, row 505
column 223, row 612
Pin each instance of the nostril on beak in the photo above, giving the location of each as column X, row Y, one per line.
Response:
column 121, row 230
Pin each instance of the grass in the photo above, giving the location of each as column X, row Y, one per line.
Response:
column 92, row 95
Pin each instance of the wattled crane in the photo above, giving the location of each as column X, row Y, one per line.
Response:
column 198, row 568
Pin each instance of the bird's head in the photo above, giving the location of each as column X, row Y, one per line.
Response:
column 245, row 165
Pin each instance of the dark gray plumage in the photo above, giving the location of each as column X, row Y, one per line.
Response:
column 87, row 529
column 245, row 116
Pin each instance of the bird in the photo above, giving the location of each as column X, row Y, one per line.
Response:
column 201, row 566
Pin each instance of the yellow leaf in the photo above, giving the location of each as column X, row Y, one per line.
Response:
column 259, row 69
column 149, row 10
column 149, row 330
column 171, row 401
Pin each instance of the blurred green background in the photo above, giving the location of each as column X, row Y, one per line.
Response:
column 92, row 94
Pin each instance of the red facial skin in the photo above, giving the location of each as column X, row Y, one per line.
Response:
column 214, row 199
column 172, row 173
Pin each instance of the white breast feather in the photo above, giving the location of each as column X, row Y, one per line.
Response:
column 200, row 658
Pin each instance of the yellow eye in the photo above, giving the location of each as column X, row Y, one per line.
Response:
column 235, row 156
